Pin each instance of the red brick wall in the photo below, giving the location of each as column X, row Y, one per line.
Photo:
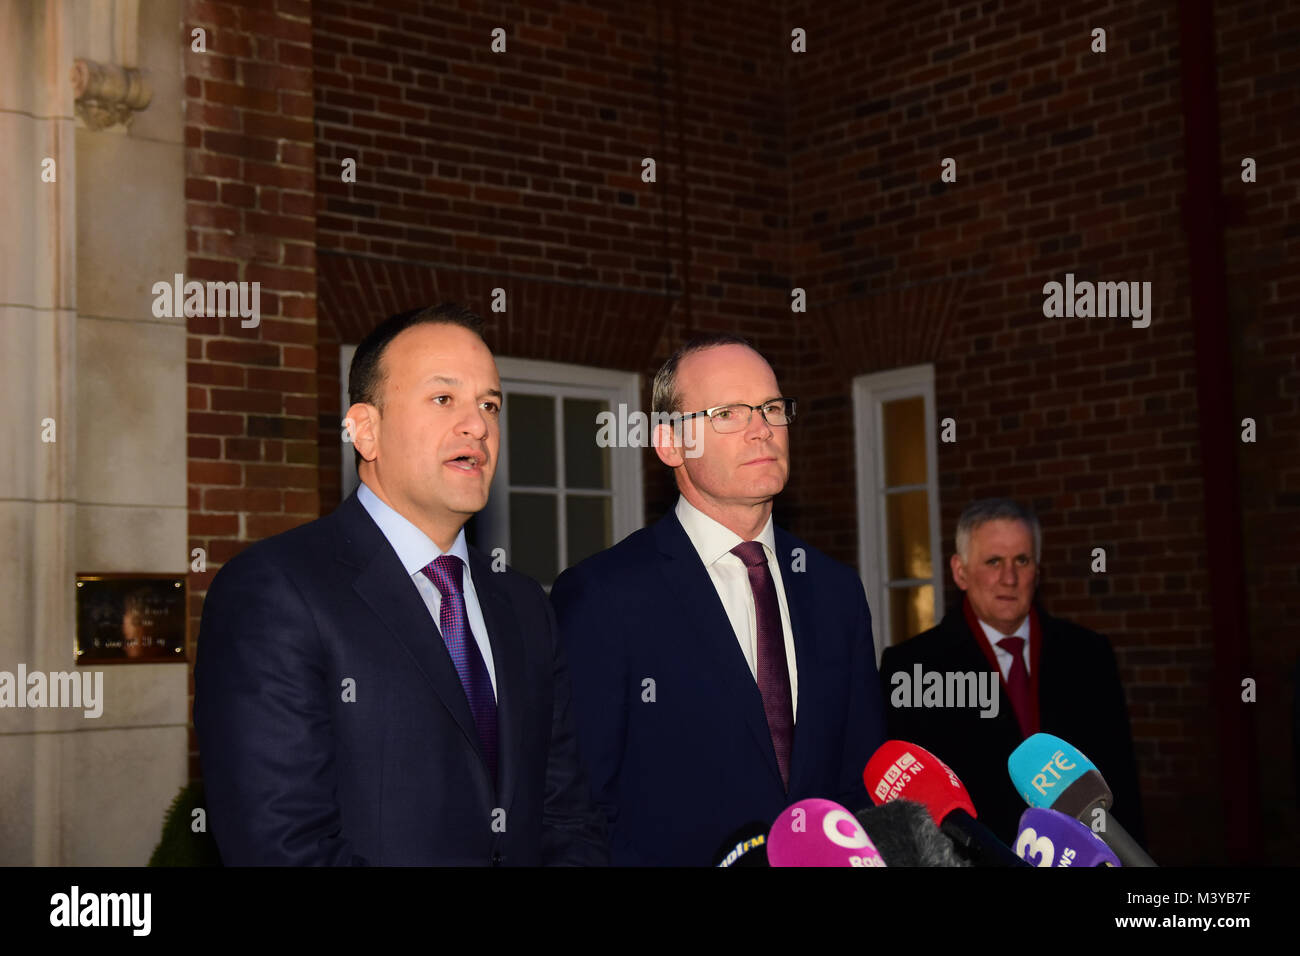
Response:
column 1068, row 161
column 522, row 170
column 250, row 215
column 495, row 169
column 1259, row 87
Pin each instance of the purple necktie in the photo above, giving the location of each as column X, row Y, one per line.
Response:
column 773, row 673
column 446, row 573
column 1017, row 679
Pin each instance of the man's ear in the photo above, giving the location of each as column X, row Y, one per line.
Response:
column 958, row 571
column 363, row 423
column 666, row 446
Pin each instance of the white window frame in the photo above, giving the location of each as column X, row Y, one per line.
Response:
column 560, row 379
column 870, row 393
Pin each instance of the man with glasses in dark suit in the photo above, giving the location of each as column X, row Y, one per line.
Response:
column 722, row 669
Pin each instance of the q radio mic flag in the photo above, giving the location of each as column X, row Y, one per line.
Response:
column 820, row 833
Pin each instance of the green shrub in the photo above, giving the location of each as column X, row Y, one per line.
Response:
column 180, row 845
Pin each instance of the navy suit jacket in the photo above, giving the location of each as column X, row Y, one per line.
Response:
column 333, row 728
column 677, row 773
column 1080, row 700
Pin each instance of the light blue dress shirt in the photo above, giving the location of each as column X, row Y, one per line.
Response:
column 416, row 551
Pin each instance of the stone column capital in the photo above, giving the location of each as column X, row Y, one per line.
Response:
column 107, row 94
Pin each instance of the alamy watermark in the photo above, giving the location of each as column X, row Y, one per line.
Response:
column 636, row 429
column 1086, row 300
column 75, row 908
column 949, row 689
column 214, row 299
column 82, row 689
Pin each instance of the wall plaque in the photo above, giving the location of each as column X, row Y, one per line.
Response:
column 130, row 618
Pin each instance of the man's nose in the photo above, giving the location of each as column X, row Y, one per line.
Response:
column 758, row 426
column 474, row 425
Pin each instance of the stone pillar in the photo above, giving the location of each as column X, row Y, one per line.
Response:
column 37, row 366
column 96, row 87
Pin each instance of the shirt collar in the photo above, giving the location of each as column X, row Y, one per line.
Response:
column 711, row 539
column 994, row 635
column 414, row 548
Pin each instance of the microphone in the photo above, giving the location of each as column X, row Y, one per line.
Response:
column 1051, row 838
column 818, row 832
column 1049, row 772
column 899, row 769
column 746, row 847
column 906, row 836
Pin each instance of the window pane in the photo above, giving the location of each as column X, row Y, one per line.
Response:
column 908, row 528
column 530, row 420
column 585, row 464
column 589, row 523
column 904, row 424
column 533, row 536
column 911, row 611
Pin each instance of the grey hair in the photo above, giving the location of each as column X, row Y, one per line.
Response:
column 995, row 509
column 664, row 396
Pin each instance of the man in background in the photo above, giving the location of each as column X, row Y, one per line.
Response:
column 1053, row 676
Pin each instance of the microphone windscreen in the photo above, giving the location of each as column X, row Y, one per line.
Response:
column 1044, row 767
column 820, row 833
column 745, row 847
column 901, row 770
column 1050, row 838
column 906, row 836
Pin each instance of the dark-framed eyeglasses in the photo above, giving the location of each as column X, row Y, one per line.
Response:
column 736, row 416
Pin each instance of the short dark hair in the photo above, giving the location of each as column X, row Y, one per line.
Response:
column 664, row 396
column 366, row 374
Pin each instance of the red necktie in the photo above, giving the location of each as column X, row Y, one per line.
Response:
column 1018, row 680
column 772, row 672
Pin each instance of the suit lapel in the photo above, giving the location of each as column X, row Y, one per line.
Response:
column 383, row 584
column 963, row 653
column 1054, row 670
column 508, row 661
column 689, row 585
column 804, row 634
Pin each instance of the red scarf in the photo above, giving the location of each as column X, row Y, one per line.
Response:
column 1035, row 658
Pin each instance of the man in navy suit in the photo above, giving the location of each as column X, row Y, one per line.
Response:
column 369, row 690
column 722, row 668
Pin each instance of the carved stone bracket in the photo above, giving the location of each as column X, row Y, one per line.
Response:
column 107, row 94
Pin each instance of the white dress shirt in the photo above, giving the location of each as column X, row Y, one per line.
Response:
column 416, row 551
column 730, row 577
column 1005, row 657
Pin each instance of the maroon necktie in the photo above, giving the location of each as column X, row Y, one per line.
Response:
column 773, row 673
column 447, row 574
column 1017, row 679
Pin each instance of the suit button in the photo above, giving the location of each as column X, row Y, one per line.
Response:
column 497, row 859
